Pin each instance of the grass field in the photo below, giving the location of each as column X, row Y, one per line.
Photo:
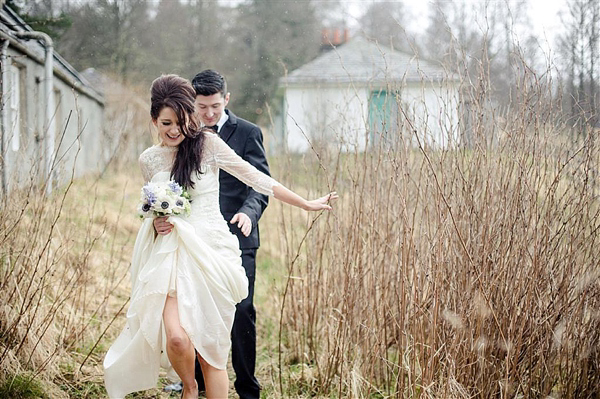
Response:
column 460, row 272
column 439, row 274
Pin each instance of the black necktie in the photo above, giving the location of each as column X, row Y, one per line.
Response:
column 214, row 128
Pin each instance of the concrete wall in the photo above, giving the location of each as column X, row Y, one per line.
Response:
column 77, row 123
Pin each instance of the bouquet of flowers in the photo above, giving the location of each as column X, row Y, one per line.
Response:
column 164, row 199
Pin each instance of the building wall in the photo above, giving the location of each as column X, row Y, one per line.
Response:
column 325, row 117
column 79, row 145
column 77, row 123
column 339, row 117
column 433, row 108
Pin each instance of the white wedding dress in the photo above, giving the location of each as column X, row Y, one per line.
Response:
column 199, row 262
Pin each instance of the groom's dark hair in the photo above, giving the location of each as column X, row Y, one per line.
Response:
column 209, row 82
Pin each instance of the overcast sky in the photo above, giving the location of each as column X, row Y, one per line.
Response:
column 544, row 14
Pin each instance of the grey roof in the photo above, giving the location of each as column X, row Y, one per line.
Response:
column 11, row 23
column 360, row 60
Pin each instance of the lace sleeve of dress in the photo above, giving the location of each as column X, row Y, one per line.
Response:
column 222, row 156
column 145, row 167
column 156, row 159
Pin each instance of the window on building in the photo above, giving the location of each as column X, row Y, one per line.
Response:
column 16, row 104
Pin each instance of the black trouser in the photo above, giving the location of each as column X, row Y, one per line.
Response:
column 243, row 337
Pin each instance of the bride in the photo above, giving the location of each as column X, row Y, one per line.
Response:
column 185, row 284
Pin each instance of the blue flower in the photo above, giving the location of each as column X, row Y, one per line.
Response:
column 150, row 195
column 175, row 188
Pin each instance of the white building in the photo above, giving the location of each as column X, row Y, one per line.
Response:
column 362, row 94
column 51, row 117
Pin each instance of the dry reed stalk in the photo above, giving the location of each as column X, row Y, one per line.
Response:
column 469, row 271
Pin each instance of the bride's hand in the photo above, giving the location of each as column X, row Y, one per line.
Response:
column 322, row 203
column 161, row 226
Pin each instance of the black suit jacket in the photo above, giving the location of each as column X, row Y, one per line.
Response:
column 246, row 140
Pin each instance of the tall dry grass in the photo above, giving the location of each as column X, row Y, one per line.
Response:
column 469, row 271
column 458, row 272
column 64, row 262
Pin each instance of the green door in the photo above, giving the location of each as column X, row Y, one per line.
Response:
column 383, row 117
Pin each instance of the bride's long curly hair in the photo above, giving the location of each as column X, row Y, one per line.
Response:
column 178, row 94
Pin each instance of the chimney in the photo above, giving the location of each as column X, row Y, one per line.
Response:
column 336, row 37
column 333, row 37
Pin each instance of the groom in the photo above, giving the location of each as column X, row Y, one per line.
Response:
column 243, row 207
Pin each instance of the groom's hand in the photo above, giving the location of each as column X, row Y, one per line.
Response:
column 161, row 225
column 244, row 223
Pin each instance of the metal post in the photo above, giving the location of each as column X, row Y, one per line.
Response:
column 4, row 117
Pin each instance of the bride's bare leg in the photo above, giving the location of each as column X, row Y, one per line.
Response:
column 216, row 380
column 180, row 349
